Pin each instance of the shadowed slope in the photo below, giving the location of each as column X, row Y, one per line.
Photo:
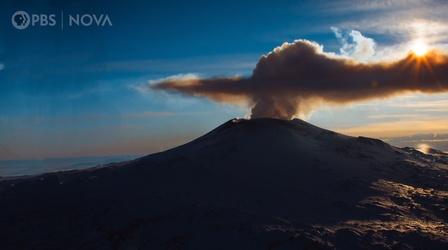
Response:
column 248, row 184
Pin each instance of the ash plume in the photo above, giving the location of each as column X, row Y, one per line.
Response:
column 296, row 77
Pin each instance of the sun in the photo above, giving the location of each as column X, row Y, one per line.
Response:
column 419, row 48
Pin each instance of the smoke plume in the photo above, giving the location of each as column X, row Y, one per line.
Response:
column 295, row 77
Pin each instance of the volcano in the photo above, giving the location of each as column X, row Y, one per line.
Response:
column 248, row 184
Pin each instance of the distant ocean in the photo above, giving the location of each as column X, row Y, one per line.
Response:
column 32, row 167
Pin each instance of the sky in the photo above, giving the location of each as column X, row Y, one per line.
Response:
column 71, row 91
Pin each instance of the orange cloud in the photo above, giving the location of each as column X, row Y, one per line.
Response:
column 296, row 77
column 398, row 128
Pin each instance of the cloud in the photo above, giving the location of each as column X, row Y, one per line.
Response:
column 355, row 45
column 398, row 128
column 425, row 106
column 296, row 77
column 2, row 66
column 143, row 88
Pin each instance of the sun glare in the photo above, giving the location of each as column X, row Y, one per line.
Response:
column 419, row 48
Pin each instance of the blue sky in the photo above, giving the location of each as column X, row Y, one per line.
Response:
column 82, row 91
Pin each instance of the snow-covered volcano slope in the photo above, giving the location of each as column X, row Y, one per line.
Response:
column 248, row 184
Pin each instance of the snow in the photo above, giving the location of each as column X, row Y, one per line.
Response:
column 248, row 184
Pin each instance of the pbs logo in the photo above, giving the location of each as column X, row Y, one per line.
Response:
column 20, row 20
